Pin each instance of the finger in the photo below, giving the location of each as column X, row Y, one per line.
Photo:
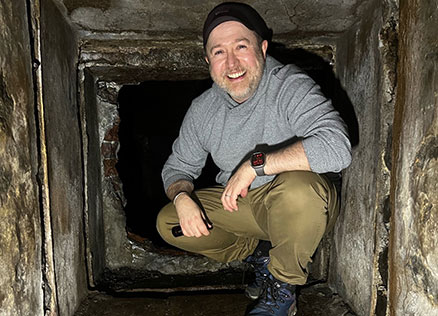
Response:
column 201, row 229
column 198, row 227
column 233, row 202
column 206, row 221
column 228, row 204
column 225, row 201
column 186, row 232
column 225, row 196
column 187, row 229
column 190, row 232
column 204, row 231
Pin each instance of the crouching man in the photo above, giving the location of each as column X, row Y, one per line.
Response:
column 274, row 136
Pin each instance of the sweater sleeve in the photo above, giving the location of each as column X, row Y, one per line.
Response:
column 320, row 127
column 188, row 155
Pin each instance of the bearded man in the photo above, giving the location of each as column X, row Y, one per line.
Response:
column 274, row 136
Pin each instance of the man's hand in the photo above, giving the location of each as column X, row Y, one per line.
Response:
column 190, row 216
column 238, row 185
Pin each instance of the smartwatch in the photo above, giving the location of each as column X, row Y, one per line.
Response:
column 258, row 163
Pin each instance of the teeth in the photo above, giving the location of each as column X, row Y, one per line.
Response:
column 236, row 75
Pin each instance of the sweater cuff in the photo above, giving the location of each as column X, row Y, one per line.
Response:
column 315, row 155
column 175, row 178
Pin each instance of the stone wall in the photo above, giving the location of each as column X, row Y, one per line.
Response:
column 414, row 235
column 366, row 67
column 63, row 137
column 21, row 291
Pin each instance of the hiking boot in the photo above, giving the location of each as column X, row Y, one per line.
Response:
column 260, row 265
column 277, row 298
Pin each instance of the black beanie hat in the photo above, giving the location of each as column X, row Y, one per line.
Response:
column 236, row 11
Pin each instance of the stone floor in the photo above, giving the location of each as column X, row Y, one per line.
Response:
column 313, row 301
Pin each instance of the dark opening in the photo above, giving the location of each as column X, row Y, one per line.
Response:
column 150, row 117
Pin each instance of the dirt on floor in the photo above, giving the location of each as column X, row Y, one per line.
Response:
column 313, row 300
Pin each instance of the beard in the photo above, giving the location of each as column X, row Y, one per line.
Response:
column 241, row 91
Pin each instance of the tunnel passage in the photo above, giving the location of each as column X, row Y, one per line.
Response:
column 150, row 116
column 373, row 53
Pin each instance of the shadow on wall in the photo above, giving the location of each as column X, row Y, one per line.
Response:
column 150, row 117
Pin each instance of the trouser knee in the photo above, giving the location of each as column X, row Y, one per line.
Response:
column 298, row 189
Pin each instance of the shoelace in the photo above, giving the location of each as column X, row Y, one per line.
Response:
column 271, row 289
column 260, row 276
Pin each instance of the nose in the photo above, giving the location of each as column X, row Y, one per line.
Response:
column 231, row 60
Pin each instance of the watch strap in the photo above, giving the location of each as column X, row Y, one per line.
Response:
column 260, row 171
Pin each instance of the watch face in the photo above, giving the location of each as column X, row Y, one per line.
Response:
column 258, row 159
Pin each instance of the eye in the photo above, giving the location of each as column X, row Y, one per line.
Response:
column 218, row 52
column 241, row 46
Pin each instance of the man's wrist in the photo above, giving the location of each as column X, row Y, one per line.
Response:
column 258, row 163
column 178, row 195
column 177, row 187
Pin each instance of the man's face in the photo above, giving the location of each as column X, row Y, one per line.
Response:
column 235, row 59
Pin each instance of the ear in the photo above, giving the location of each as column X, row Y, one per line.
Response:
column 206, row 60
column 264, row 48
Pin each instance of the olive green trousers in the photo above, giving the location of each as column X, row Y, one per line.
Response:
column 293, row 212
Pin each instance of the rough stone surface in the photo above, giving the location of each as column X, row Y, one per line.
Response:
column 136, row 61
column 133, row 61
column 59, row 62
column 414, row 236
column 139, row 18
column 93, row 213
column 21, row 291
column 358, row 266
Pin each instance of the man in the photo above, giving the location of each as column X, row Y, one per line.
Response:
column 273, row 136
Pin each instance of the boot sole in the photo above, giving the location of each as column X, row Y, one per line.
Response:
column 293, row 310
column 251, row 296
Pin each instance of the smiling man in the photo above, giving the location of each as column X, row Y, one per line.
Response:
column 275, row 138
column 236, row 59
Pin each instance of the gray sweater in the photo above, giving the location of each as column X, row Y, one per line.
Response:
column 287, row 106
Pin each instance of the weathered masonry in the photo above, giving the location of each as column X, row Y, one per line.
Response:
column 91, row 97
